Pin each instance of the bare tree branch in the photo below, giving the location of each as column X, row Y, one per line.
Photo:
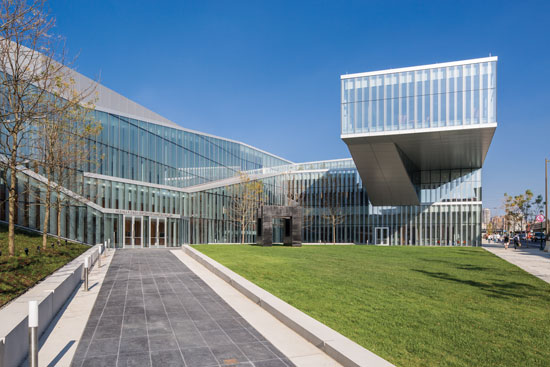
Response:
column 246, row 198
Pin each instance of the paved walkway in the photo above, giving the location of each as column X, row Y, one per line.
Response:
column 152, row 310
column 59, row 341
column 531, row 259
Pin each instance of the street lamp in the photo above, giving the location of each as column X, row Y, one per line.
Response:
column 547, row 247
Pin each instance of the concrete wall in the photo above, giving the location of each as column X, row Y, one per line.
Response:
column 51, row 293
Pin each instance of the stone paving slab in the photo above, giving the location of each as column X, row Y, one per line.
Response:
column 59, row 342
column 531, row 259
column 152, row 310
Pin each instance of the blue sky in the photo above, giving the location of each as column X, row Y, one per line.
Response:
column 267, row 72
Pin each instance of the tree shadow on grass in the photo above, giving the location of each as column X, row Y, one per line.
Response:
column 459, row 265
column 494, row 289
column 273, row 245
column 4, row 229
column 473, row 267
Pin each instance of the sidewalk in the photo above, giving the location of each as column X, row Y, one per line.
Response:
column 532, row 260
column 58, row 343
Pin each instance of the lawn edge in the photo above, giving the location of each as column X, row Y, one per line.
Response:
column 337, row 346
column 2, row 306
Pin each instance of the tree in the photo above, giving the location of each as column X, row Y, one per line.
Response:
column 332, row 200
column 60, row 142
column 524, row 204
column 246, row 198
column 512, row 214
column 518, row 208
column 490, row 228
column 76, row 150
column 27, row 68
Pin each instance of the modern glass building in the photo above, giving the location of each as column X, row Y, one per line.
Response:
column 417, row 136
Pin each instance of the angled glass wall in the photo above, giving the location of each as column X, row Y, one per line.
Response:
column 143, row 151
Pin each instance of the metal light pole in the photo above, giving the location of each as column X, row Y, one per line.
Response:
column 547, row 248
column 86, row 272
column 33, row 333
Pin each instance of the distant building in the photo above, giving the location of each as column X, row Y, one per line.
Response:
column 498, row 223
column 486, row 218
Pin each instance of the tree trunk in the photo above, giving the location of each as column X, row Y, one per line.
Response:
column 46, row 219
column 243, row 226
column 333, row 232
column 11, row 208
column 46, row 222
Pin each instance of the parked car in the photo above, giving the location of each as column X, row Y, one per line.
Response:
column 538, row 236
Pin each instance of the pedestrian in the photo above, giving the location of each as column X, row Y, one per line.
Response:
column 506, row 241
column 516, row 242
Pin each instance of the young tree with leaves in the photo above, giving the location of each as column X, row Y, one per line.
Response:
column 61, row 142
column 30, row 62
column 518, row 208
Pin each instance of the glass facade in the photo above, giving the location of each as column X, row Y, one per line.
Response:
column 161, row 186
column 420, row 98
column 143, row 151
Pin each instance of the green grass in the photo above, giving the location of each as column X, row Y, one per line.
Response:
column 414, row 306
column 19, row 273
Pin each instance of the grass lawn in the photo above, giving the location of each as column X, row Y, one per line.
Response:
column 414, row 306
column 21, row 272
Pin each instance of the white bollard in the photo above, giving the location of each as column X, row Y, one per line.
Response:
column 33, row 333
column 86, row 271
column 99, row 256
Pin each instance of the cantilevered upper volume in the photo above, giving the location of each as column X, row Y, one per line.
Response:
column 400, row 121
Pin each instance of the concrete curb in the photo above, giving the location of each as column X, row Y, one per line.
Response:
column 51, row 294
column 337, row 346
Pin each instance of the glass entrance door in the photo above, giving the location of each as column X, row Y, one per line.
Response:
column 381, row 236
column 138, row 231
column 128, row 231
column 157, row 232
column 133, row 231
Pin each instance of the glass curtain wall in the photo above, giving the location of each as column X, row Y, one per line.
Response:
column 427, row 98
column 142, row 151
column 77, row 221
column 449, row 213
